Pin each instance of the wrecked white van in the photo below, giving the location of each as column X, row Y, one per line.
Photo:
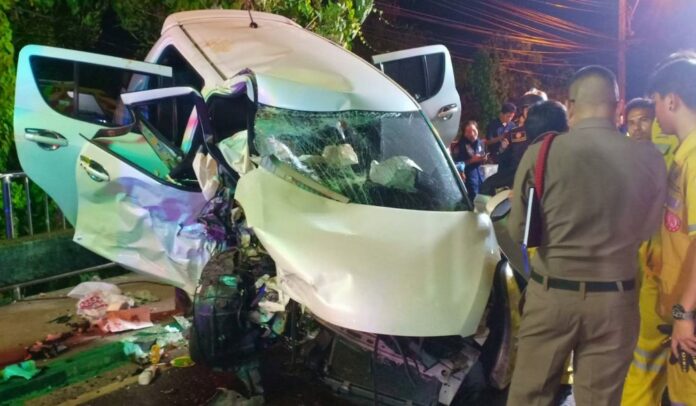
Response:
column 258, row 164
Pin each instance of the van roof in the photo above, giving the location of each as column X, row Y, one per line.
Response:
column 294, row 68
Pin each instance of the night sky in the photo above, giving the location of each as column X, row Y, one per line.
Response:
column 659, row 27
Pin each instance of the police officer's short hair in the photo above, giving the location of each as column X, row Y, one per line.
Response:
column 640, row 103
column 600, row 72
column 677, row 76
column 508, row 108
column 545, row 116
column 594, row 70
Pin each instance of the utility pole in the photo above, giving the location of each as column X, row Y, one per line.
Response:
column 622, row 45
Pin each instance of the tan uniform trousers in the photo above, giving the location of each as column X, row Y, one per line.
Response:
column 601, row 328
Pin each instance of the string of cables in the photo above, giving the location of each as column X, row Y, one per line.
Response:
column 524, row 36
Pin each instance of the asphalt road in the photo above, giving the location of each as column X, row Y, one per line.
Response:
column 199, row 385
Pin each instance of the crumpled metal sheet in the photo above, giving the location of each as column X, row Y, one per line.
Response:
column 374, row 269
column 137, row 222
column 294, row 68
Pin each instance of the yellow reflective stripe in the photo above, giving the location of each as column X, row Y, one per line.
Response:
column 650, row 367
column 652, row 355
column 654, row 361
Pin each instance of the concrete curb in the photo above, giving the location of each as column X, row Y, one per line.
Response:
column 64, row 372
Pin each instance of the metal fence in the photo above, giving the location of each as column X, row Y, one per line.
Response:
column 18, row 226
column 11, row 226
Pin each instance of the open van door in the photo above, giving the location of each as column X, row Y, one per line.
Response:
column 123, row 178
column 427, row 74
column 62, row 98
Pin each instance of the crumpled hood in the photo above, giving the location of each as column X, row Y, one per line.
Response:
column 374, row 269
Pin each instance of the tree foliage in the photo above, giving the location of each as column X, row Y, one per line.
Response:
column 485, row 86
column 7, row 75
column 502, row 71
column 338, row 20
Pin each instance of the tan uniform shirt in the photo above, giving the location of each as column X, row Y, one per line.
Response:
column 603, row 195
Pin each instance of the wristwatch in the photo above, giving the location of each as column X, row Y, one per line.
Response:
column 679, row 313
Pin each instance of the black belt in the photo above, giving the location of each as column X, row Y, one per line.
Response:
column 565, row 284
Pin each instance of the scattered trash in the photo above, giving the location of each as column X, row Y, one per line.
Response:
column 26, row 370
column 85, row 288
column 141, row 297
column 135, row 350
column 183, row 323
column 49, row 347
column 227, row 397
column 123, row 320
column 141, row 346
column 155, row 354
column 397, row 172
column 97, row 298
column 147, row 375
column 64, row 319
column 172, row 336
column 184, row 361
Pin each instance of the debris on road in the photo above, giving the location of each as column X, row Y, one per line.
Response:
column 184, row 361
column 147, row 375
column 227, row 397
column 123, row 320
column 26, row 370
column 64, row 319
column 49, row 347
column 95, row 299
column 142, row 297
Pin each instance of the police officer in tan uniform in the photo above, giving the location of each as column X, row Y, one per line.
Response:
column 602, row 196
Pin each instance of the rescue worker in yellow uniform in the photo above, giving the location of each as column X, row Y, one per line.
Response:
column 673, row 88
column 647, row 376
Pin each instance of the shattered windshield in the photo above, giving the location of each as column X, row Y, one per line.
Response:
column 374, row 158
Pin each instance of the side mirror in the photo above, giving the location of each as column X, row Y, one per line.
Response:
column 499, row 205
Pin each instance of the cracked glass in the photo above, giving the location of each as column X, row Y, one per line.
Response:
column 389, row 159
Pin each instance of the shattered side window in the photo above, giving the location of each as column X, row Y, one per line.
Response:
column 374, row 158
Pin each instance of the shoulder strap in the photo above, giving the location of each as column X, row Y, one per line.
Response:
column 540, row 167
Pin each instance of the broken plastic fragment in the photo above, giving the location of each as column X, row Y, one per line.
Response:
column 183, row 322
column 26, row 370
column 398, row 172
column 206, row 170
column 184, row 361
column 235, row 149
column 229, row 280
column 340, row 155
column 131, row 348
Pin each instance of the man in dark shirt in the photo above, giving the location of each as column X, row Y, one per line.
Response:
column 542, row 117
column 498, row 127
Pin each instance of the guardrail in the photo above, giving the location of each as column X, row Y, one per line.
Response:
column 15, row 228
column 8, row 209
